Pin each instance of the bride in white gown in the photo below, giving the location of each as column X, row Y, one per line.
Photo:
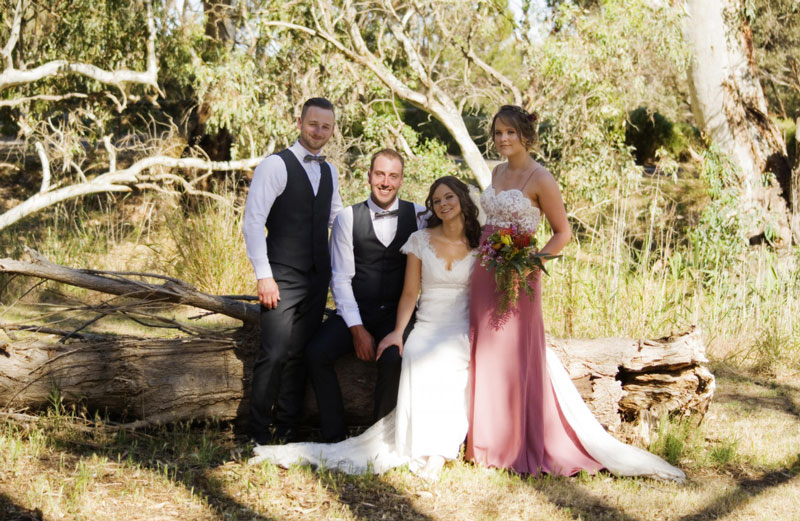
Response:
column 430, row 420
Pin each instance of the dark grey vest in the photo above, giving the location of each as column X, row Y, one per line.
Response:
column 297, row 226
column 380, row 270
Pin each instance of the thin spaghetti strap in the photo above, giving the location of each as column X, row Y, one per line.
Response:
column 495, row 171
column 522, row 188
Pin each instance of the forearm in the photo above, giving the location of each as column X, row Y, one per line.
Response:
column 405, row 308
column 269, row 181
column 557, row 242
column 344, row 268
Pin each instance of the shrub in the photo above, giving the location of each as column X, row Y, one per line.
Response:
column 648, row 131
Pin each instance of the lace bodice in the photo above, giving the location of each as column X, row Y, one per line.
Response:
column 445, row 293
column 508, row 207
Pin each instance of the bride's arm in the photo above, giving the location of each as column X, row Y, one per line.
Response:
column 552, row 205
column 405, row 307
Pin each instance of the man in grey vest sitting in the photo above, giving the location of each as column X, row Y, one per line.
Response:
column 295, row 194
column 368, row 273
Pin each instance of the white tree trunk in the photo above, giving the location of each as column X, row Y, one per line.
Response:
column 428, row 95
column 730, row 108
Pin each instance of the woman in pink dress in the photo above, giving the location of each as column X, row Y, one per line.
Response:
column 524, row 412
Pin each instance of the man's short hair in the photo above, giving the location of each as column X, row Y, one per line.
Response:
column 391, row 154
column 316, row 102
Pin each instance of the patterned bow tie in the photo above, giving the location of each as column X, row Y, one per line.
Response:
column 309, row 158
column 386, row 213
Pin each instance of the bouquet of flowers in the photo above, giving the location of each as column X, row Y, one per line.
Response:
column 511, row 253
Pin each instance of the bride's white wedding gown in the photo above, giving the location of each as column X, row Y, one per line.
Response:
column 431, row 413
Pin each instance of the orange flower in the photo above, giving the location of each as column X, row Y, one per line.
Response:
column 522, row 241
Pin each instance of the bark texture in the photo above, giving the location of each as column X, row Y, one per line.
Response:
column 154, row 380
column 159, row 380
column 729, row 106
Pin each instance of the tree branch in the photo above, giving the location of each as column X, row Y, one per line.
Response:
column 431, row 98
column 13, row 37
column 501, row 78
column 44, row 97
column 11, row 77
column 45, row 167
column 116, row 181
column 169, row 291
column 112, row 153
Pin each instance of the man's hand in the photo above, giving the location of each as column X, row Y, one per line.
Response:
column 268, row 293
column 363, row 343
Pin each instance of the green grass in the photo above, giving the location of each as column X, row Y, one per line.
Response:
column 740, row 465
column 636, row 277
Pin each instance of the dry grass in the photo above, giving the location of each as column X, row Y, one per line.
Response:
column 742, row 463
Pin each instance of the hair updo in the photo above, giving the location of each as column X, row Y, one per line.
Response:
column 522, row 121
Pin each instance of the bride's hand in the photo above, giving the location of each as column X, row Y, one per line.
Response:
column 394, row 338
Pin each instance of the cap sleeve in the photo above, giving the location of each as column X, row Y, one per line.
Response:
column 415, row 243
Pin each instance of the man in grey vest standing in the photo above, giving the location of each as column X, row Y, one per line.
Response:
column 295, row 194
column 368, row 275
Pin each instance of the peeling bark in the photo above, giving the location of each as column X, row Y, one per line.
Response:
column 154, row 380
column 161, row 380
column 729, row 106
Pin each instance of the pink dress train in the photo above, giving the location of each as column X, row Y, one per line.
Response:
column 515, row 420
column 524, row 411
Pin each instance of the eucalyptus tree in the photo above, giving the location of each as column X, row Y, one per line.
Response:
column 428, row 54
column 83, row 85
column 776, row 43
column 730, row 108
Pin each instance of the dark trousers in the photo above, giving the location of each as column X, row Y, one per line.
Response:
column 334, row 340
column 279, row 374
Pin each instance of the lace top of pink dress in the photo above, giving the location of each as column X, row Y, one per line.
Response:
column 509, row 207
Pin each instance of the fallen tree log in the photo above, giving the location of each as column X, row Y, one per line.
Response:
column 171, row 290
column 207, row 375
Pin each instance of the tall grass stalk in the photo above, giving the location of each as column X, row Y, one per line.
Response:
column 205, row 247
column 605, row 286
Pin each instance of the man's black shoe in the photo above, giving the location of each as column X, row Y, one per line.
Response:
column 283, row 435
column 261, row 439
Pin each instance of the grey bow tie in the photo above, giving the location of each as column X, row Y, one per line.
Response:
column 309, row 158
column 386, row 213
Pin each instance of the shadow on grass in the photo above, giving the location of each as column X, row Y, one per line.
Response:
column 370, row 497
column 786, row 399
column 173, row 452
column 746, row 490
column 567, row 494
column 188, row 455
column 10, row 511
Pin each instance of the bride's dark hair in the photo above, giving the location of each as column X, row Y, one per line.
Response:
column 469, row 209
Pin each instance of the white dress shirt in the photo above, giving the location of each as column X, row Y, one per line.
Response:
column 269, row 181
column 342, row 259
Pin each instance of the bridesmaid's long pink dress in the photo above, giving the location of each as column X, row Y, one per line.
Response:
column 524, row 411
column 515, row 419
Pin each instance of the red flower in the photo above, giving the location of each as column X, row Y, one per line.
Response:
column 522, row 241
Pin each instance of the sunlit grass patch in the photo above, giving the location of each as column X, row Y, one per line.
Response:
column 73, row 465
